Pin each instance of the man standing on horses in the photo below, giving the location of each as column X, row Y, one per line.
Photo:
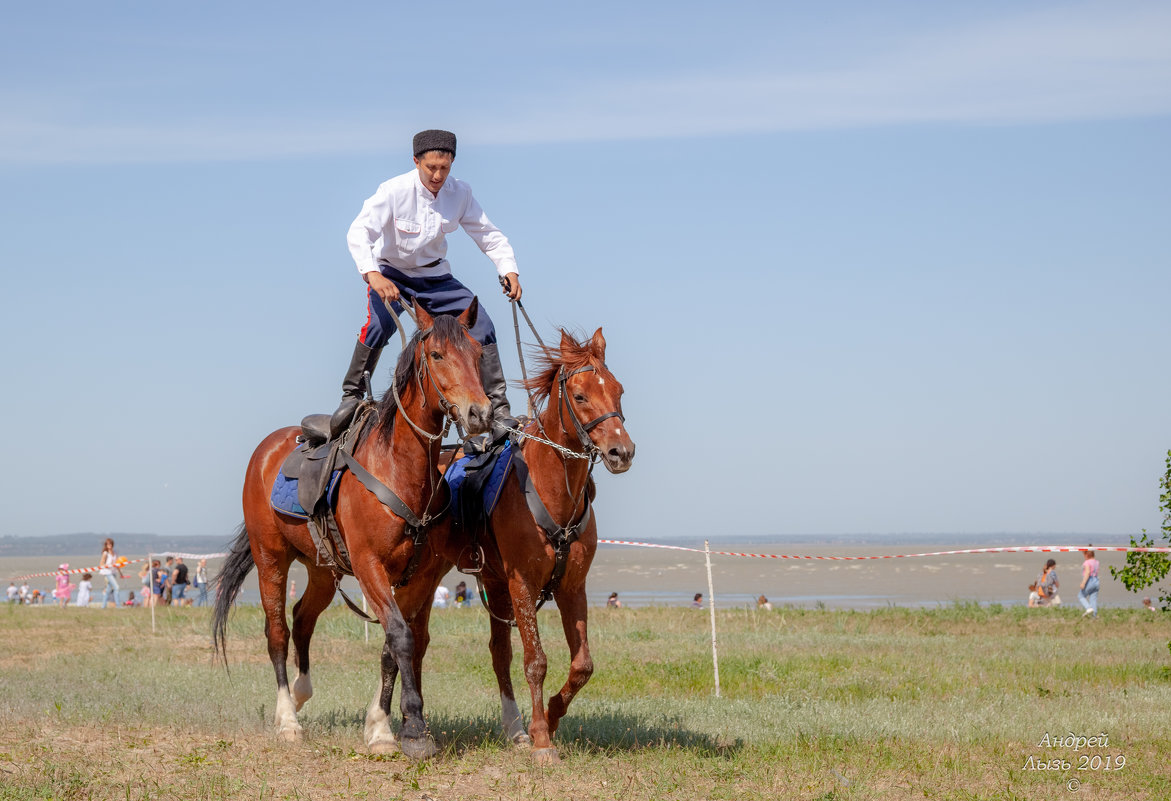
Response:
column 399, row 243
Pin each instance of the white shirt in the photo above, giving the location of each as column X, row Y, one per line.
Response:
column 405, row 226
column 441, row 596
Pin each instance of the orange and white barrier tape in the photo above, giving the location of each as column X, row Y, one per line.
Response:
column 126, row 563
column 72, row 570
column 1007, row 549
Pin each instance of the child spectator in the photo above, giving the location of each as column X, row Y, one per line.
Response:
column 84, row 589
column 65, row 587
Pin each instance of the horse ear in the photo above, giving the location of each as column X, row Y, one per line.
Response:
column 425, row 319
column 568, row 343
column 468, row 318
column 598, row 345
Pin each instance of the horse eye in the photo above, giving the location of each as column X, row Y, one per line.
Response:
column 579, row 398
column 436, row 356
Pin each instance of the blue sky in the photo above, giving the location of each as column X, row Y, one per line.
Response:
column 868, row 268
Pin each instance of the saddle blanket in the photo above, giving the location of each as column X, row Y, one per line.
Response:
column 457, row 474
column 284, row 494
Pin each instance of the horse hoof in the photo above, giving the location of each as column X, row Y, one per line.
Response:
column 546, row 756
column 522, row 741
column 418, row 747
column 291, row 735
column 383, row 747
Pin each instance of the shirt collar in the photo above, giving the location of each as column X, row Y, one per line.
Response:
column 425, row 193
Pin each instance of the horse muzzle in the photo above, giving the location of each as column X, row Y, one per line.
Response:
column 477, row 420
column 618, row 457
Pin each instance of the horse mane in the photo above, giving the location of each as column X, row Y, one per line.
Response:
column 572, row 355
column 447, row 330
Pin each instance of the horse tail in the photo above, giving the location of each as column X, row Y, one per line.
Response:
column 236, row 568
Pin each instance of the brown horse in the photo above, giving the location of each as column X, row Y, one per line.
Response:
column 583, row 416
column 437, row 376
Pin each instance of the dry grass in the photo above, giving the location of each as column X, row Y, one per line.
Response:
column 898, row 704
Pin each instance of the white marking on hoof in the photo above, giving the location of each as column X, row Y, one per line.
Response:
column 285, row 718
column 376, row 733
column 302, row 690
column 293, row 734
column 546, row 756
column 513, row 722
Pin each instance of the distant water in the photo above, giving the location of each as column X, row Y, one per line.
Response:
column 662, row 577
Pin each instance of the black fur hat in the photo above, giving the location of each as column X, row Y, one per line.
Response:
column 434, row 140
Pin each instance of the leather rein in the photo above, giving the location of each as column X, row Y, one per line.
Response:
column 416, row 525
column 559, row 536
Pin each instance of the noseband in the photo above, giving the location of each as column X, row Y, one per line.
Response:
column 450, row 410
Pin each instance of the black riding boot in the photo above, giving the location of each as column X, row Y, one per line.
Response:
column 496, row 388
column 362, row 363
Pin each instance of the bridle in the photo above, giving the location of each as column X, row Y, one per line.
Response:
column 449, row 409
column 582, row 429
column 416, row 525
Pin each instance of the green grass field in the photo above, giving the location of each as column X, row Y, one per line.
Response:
column 950, row 703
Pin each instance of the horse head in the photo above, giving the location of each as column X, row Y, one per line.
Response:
column 443, row 363
column 591, row 398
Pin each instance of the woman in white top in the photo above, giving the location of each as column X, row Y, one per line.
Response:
column 201, row 582
column 108, row 567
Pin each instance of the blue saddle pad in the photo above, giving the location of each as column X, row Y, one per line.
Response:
column 457, row 472
column 284, row 495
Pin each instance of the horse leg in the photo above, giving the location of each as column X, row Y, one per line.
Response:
column 536, row 666
column 318, row 593
column 574, row 609
column 273, row 573
column 397, row 658
column 500, row 644
column 376, row 732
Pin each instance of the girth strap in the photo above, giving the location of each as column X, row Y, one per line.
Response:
column 560, row 537
column 415, row 526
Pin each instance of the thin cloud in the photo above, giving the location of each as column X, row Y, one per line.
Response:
column 1092, row 62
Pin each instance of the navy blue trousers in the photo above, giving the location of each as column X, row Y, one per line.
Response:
column 440, row 294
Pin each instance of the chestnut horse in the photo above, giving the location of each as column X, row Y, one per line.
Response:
column 437, row 376
column 583, row 416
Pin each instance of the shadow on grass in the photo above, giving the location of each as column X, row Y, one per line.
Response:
column 596, row 733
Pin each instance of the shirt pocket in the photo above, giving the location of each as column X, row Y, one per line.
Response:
column 407, row 235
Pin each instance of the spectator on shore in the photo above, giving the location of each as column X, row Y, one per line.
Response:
column 1088, row 591
column 1034, row 596
column 442, row 594
column 25, row 593
column 201, row 582
column 697, row 601
column 1147, row 605
column 108, row 566
column 35, row 597
column 462, row 596
column 144, row 576
column 1047, row 585
column 613, row 601
column 84, row 589
column 168, row 585
column 13, row 593
column 762, row 603
column 179, row 582
column 158, row 579
column 65, row 587
column 130, row 600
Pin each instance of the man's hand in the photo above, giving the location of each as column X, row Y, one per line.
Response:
column 382, row 285
column 512, row 286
